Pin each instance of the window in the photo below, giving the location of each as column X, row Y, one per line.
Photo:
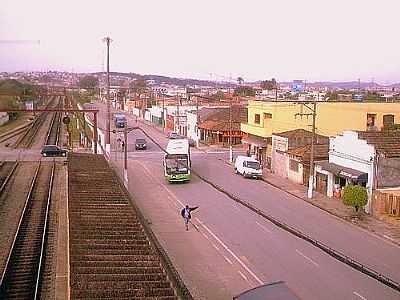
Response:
column 257, row 118
column 267, row 116
column 371, row 120
column 294, row 165
column 388, row 120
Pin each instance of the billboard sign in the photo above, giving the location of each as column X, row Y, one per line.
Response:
column 358, row 97
column 298, row 86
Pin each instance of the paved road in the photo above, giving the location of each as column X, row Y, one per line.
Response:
column 236, row 249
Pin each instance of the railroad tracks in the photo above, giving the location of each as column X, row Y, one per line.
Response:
column 6, row 171
column 52, row 137
column 112, row 254
column 26, row 138
column 21, row 277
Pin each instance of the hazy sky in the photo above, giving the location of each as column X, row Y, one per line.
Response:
column 286, row 39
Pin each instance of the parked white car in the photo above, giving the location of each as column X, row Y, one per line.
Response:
column 248, row 167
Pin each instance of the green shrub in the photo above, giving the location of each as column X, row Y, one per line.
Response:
column 355, row 195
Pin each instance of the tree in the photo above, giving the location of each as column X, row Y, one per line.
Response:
column 355, row 195
column 220, row 95
column 240, row 80
column 244, row 91
column 139, row 86
column 88, row 82
column 269, row 84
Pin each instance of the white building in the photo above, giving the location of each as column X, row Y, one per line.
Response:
column 354, row 158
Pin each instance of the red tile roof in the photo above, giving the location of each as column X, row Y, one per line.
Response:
column 385, row 142
column 304, row 152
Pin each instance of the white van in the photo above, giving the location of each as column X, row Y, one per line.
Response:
column 248, row 167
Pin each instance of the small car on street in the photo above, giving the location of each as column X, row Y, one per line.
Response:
column 173, row 135
column 53, row 150
column 140, row 144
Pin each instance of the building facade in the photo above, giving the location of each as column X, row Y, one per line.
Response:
column 332, row 118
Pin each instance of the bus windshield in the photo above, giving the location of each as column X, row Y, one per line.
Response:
column 176, row 164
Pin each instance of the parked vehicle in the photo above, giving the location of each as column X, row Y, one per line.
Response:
column 248, row 167
column 140, row 144
column 53, row 150
column 173, row 135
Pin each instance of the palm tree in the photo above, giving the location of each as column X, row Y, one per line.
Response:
column 240, row 80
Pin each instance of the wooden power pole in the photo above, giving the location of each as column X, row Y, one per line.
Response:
column 312, row 112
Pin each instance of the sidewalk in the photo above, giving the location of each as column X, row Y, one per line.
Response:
column 335, row 207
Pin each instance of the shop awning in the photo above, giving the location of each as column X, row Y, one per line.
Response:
column 255, row 140
column 341, row 171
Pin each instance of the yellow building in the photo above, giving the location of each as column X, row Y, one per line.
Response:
column 266, row 118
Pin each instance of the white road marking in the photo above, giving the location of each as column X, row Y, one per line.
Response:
column 263, row 227
column 230, row 252
column 205, row 235
column 243, row 276
column 227, row 259
column 357, row 294
column 389, row 238
column 309, row 259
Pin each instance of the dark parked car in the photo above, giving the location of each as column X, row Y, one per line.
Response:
column 140, row 144
column 53, row 150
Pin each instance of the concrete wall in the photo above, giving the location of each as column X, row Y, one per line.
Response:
column 296, row 176
column 388, row 173
column 279, row 160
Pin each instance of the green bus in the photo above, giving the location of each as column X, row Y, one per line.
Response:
column 177, row 161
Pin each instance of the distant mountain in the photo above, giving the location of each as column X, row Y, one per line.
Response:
column 169, row 80
column 348, row 85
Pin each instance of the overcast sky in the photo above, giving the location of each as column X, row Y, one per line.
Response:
column 208, row 39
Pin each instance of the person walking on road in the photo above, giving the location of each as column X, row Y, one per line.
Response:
column 185, row 213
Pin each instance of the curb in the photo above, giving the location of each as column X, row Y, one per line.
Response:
column 392, row 241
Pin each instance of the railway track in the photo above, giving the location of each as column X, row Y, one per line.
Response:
column 22, row 275
column 53, row 134
column 26, row 139
column 6, row 171
column 15, row 132
column 112, row 254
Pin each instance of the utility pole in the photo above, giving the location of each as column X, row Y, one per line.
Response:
column 230, row 131
column 177, row 115
column 313, row 113
column 108, row 40
column 197, row 123
column 163, row 112
column 126, row 152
